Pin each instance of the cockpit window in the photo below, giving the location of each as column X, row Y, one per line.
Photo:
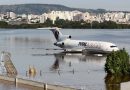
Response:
column 113, row 46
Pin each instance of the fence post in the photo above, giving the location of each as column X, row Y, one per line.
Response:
column 16, row 81
column 45, row 86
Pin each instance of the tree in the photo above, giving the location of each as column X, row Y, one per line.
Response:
column 117, row 62
column 48, row 22
column 60, row 22
column 3, row 24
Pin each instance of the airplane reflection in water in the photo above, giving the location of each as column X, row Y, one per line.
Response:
column 71, row 58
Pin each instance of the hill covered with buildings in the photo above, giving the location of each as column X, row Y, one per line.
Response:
column 62, row 16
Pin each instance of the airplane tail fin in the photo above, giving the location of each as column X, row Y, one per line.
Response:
column 57, row 34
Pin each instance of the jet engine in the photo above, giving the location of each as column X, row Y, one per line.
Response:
column 60, row 44
column 70, row 36
column 66, row 36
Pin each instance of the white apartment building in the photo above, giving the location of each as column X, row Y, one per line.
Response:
column 33, row 18
column 1, row 16
column 11, row 15
column 86, row 16
column 24, row 16
column 127, row 16
column 118, row 17
column 66, row 15
column 53, row 15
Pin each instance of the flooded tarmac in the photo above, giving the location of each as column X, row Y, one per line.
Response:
column 33, row 48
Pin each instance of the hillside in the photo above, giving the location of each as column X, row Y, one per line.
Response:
column 34, row 8
column 41, row 8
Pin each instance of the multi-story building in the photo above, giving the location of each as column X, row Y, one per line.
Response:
column 118, row 17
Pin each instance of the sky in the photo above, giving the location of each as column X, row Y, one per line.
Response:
column 116, row 5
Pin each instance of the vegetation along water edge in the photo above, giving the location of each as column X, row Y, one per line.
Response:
column 68, row 25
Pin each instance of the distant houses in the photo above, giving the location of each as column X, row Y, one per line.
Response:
column 16, row 19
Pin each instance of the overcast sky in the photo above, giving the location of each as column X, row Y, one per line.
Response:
column 88, row 4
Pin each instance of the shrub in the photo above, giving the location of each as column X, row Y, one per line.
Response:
column 117, row 62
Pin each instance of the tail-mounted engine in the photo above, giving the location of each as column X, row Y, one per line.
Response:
column 60, row 44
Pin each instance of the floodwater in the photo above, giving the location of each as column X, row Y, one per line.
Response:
column 34, row 48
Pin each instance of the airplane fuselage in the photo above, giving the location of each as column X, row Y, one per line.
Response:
column 96, row 46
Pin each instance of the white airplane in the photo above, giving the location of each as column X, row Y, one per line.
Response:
column 69, row 45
